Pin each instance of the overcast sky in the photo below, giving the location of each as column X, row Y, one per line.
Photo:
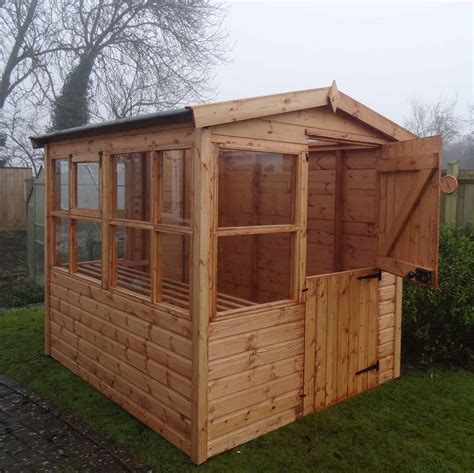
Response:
column 380, row 53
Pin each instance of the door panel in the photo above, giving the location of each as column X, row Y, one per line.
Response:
column 408, row 174
column 341, row 337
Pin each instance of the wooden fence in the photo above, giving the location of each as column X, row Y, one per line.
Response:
column 457, row 209
column 14, row 187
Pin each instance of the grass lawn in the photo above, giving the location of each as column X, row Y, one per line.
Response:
column 422, row 422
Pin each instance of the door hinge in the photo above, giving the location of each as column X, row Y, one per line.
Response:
column 377, row 275
column 375, row 366
column 422, row 275
column 305, row 289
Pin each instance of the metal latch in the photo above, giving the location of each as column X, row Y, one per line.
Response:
column 421, row 275
column 369, row 368
column 377, row 275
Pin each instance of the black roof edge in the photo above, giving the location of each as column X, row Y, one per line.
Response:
column 158, row 118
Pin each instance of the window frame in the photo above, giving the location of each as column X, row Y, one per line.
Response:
column 85, row 158
column 296, row 229
column 153, row 226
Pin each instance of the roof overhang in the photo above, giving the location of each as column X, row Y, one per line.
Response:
column 159, row 118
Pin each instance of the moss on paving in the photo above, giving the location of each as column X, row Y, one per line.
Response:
column 422, row 422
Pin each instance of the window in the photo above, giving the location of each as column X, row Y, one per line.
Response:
column 61, row 185
column 253, row 269
column 173, row 269
column 148, row 227
column 150, row 220
column 131, row 186
column 257, row 225
column 256, row 188
column 175, row 187
column 61, row 242
column 88, row 242
column 132, row 262
column 88, row 185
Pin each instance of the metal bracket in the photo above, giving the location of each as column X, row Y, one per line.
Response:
column 369, row 368
column 377, row 275
column 424, row 276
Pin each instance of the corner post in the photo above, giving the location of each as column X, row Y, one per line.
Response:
column 203, row 263
column 49, row 238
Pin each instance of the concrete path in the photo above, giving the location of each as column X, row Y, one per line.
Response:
column 35, row 436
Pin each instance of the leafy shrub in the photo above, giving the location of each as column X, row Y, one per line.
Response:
column 438, row 324
column 21, row 294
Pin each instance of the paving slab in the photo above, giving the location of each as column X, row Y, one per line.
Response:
column 36, row 436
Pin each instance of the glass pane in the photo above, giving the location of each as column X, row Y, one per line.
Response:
column 175, row 186
column 253, row 269
column 132, row 186
column 132, row 253
column 61, row 242
column 256, row 188
column 88, row 185
column 88, row 248
column 61, row 184
column 173, row 257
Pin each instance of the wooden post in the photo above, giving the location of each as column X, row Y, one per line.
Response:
column 49, row 239
column 203, row 263
column 338, row 203
column 398, row 327
column 105, row 186
column 451, row 200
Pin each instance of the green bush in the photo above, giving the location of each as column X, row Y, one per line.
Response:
column 21, row 294
column 438, row 324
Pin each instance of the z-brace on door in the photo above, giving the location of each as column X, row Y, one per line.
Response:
column 340, row 337
column 408, row 176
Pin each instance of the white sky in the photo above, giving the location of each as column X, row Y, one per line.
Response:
column 381, row 53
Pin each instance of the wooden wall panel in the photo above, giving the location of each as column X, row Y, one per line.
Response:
column 389, row 327
column 255, row 375
column 321, row 212
column 136, row 354
column 357, row 213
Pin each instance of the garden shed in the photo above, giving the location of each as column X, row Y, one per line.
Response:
column 224, row 269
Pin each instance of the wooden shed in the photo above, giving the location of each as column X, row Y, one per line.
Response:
column 222, row 270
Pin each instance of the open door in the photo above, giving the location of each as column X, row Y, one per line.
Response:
column 408, row 175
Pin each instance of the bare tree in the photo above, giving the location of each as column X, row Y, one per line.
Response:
column 439, row 118
column 135, row 55
column 28, row 38
column 19, row 123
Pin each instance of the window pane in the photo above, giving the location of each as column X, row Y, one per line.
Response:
column 253, row 269
column 88, row 182
column 61, row 184
column 173, row 257
column 256, row 188
column 88, row 248
column 175, row 186
column 61, row 242
column 132, row 253
column 132, row 186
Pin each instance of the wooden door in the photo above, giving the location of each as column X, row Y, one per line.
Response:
column 408, row 175
column 340, row 337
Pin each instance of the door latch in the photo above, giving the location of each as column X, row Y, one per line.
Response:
column 424, row 276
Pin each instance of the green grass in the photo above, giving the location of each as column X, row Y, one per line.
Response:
column 422, row 422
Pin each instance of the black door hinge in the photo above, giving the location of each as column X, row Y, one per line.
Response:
column 421, row 275
column 377, row 275
column 375, row 366
column 305, row 289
